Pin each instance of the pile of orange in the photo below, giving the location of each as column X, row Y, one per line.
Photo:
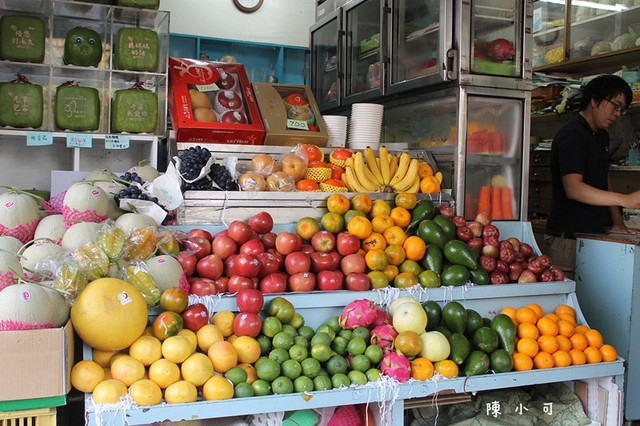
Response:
column 555, row 339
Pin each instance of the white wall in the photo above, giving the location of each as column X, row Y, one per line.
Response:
column 283, row 22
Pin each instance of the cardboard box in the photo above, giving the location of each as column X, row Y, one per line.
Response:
column 281, row 131
column 36, row 363
column 214, row 79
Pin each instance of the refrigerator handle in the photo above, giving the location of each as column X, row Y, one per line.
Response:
column 451, row 65
column 341, row 37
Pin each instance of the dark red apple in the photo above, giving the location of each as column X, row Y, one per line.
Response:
column 247, row 265
column 224, row 246
column 307, row 248
column 195, row 316
column 261, row 222
column 230, row 266
column 188, row 262
column 535, row 266
column 475, row 243
column 353, row 263
column 274, row 283
column 239, row 231
column 502, row 266
column 269, row 264
column 487, row 263
column 228, row 99
column 507, row 255
column 463, row 233
column 526, row 249
column 475, row 228
column 288, row 242
column 297, row 262
column 249, row 300
column 279, row 257
column 446, row 210
column 527, row 276
column 492, row 241
column 545, row 260
column 233, row 117
column 199, row 246
column 515, row 269
column 459, row 221
column 558, row 274
column 247, row 324
column 357, row 282
column 226, row 81
column 200, row 233
column 497, row 277
column 323, row 241
column 222, row 284
column 268, row 240
column 329, row 280
column 210, row 266
column 252, row 246
column 239, row 282
column 519, row 257
column 546, row 276
column 324, row 262
column 347, row 243
column 490, row 231
column 203, row 287
column 302, row 281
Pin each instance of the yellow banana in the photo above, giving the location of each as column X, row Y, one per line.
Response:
column 403, row 165
column 393, row 166
column 371, row 163
column 349, row 162
column 363, row 174
column 353, row 181
column 409, row 177
column 415, row 186
column 347, row 181
column 383, row 154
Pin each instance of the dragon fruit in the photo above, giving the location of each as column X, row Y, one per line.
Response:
column 359, row 313
column 383, row 336
column 396, row 366
column 501, row 49
column 382, row 318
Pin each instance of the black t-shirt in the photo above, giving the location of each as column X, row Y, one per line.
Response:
column 578, row 149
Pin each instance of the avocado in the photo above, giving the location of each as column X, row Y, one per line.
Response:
column 454, row 317
column 505, row 329
column 458, row 253
column 432, row 233
column 432, row 259
column 455, row 275
column 477, row 363
column 485, row 339
column 460, row 348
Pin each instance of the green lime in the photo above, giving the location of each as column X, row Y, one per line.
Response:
column 321, row 338
column 410, row 266
column 267, row 369
column 336, row 364
column 282, row 309
column 334, row 323
column 297, row 321
column 291, row 369
column 361, row 332
column 321, row 383
column 303, row 384
column 271, row 326
column 373, row 374
column 290, row 330
column 243, row 390
column 321, row 352
column 339, row 345
column 360, row 363
column 429, row 279
column 282, row 340
column 279, row 355
column 347, row 334
column 340, row 379
column 261, row 387
column 301, row 341
column 374, row 353
column 310, row 367
column 282, row 385
column 306, row 332
column 356, row 346
column 324, row 328
column 357, row 377
column 236, row 375
column 298, row 353
column 265, row 344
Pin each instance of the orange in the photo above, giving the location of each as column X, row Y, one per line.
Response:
column 362, row 203
column 109, row 391
column 565, row 328
column 145, row 392
column 424, row 170
column 400, row 216
column 609, row 353
column 565, row 309
column 414, row 248
column 85, row 375
column 580, row 329
column 537, row 309
column 543, row 360
column 381, row 222
column 396, row 254
column 579, row 342
column 406, row 200
column 421, row 369
column 528, row 331
column 577, row 357
column 146, row 349
column 547, row 343
column 429, row 185
column 511, row 313
column 180, row 392
column 394, row 235
column 522, row 362
column 252, row 376
column 223, row 320
column 374, row 241
column 380, row 207
column 447, row 368
column 528, row 347
column 338, row 203
column 164, row 372
column 568, row 317
column 223, row 355
column 217, row 388
column 307, row 227
column 248, row 349
column 376, row 260
column 561, row 359
column 127, row 369
column 547, row 326
column 552, row 316
column 360, row 226
column 197, row 368
column 391, row 271
column 526, row 314
column 409, row 343
column 593, row 355
column 564, row 344
column 594, row 338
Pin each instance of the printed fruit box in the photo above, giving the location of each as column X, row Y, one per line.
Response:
column 212, row 102
column 290, row 115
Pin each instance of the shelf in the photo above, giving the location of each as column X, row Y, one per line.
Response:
column 424, row 32
column 606, row 62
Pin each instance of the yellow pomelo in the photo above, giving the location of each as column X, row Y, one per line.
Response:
column 127, row 369
column 207, row 335
column 217, row 388
column 164, row 372
column 180, row 392
column 191, row 336
column 109, row 314
column 85, row 375
column 145, row 392
column 197, row 368
column 109, row 391
column 146, row 349
column 224, row 321
column 176, row 348
column 103, row 357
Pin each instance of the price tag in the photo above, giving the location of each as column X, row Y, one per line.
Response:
column 79, row 140
column 39, row 138
column 116, row 142
column 297, row 124
column 207, row 87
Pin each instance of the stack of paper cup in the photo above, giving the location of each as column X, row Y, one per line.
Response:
column 365, row 126
column 337, row 129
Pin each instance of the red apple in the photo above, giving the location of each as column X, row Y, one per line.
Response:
column 251, row 247
column 302, row 281
column 446, row 210
column 269, row 264
column 233, row 117
column 239, row 282
column 261, row 222
column 230, row 266
column 247, row 324
column 347, row 243
column 274, row 283
column 239, row 231
column 279, row 257
column 324, row 261
column 463, row 233
column 222, row 284
column 249, row 300
column 288, row 242
column 306, row 248
column 247, row 265
column 353, row 263
column 203, row 287
column 188, row 262
column 329, row 280
column 268, row 240
column 357, row 282
column 224, row 246
column 198, row 246
column 484, row 219
column 195, row 316
column 296, row 262
column 210, row 266
column 200, row 233
column 323, row 241
column 475, row 228
column 515, row 270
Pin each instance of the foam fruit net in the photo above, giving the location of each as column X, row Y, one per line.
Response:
column 10, row 325
column 54, row 205
column 73, row 216
column 6, row 279
column 24, row 232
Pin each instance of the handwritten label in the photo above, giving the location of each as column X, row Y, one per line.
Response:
column 39, row 138
column 207, row 87
column 116, row 142
column 297, row 124
column 79, row 140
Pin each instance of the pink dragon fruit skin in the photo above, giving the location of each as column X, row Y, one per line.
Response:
column 359, row 313
column 382, row 318
column 396, row 366
column 383, row 336
column 501, row 49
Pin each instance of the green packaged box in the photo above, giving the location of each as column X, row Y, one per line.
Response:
column 20, row 104
column 136, row 49
column 77, row 108
column 22, row 38
column 134, row 111
column 143, row 4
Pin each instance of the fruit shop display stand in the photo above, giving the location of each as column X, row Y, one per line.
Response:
column 317, row 307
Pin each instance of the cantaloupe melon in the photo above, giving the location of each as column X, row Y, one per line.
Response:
column 10, row 244
column 85, row 196
column 10, row 269
column 34, row 256
column 25, row 307
column 146, row 172
column 129, row 222
column 109, row 314
column 79, row 234
column 51, row 227
column 61, row 308
column 165, row 271
column 100, row 174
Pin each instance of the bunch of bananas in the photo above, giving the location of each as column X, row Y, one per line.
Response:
column 364, row 172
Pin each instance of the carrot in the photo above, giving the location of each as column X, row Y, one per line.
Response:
column 505, row 201
column 484, row 200
column 468, row 206
column 496, row 207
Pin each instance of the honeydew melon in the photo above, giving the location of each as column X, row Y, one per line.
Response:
column 10, row 244
column 100, row 174
column 37, row 252
column 129, row 222
column 61, row 308
column 17, row 209
column 165, row 271
column 51, row 227
column 25, row 306
column 146, row 172
column 399, row 301
column 10, row 263
column 111, row 188
column 79, row 234
column 85, row 196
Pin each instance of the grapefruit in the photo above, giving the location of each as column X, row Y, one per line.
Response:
column 109, row 314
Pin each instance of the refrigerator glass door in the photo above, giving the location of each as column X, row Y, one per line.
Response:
column 325, row 60
column 548, row 33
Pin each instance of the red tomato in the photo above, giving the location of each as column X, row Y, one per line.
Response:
column 167, row 324
column 174, row 299
column 247, row 324
column 313, row 153
column 249, row 300
column 307, row 185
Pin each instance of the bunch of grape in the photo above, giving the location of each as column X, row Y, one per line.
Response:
column 192, row 160
column 131, row 177
column 133, row 192
column 221, row 176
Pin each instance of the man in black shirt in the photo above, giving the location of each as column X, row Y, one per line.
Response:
column 582, row 200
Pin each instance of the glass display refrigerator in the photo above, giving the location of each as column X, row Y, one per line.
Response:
column 326, row 60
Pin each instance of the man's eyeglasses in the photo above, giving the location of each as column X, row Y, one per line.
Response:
column 619, row 108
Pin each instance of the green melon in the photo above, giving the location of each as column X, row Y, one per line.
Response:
column 22, row 38
column 20, row 104
column 137, row 49
column 77, row 108
column 79, row 234
column 134, row 111
column 25, row 306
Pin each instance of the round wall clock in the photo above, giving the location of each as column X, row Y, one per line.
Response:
column 248, row 6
